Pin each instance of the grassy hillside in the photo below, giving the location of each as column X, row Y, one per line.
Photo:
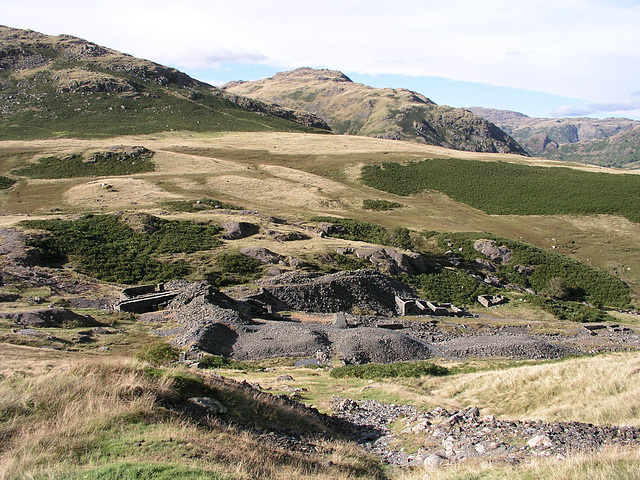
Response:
column 64, row 86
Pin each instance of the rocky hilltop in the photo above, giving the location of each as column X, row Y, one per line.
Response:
column 612, row 142
column 356, row 109
column 63, row 84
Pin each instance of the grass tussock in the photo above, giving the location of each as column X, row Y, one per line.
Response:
column 115, row 418
column 599, row 390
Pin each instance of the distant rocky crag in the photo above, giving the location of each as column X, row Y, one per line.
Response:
column 601, row 141
column 397, row 114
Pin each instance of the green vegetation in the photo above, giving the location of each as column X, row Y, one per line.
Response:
column 389, row 370
column 380, row 205
column 39, row 111
column 570, row 311
column 351, row 262
column 579, row 281
column 455, row 287
column 6, row 182
column 159, row 353
column 106, row 248
column 101, row 164
column 368, row 232
column 500, row 188
column 218, row 361
column 193, row 206
column 233, row 269
column 138, row 471
column 357, row 229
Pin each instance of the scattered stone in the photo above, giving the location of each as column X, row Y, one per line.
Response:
column 491, row 300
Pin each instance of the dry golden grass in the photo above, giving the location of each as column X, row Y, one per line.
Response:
column 97, row 411
column 299, row 175
column 611, row 464
column 116, row 193
column 601, row 390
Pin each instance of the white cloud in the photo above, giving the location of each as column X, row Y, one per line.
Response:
column 576, row 48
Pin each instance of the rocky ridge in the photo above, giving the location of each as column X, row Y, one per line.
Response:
column 397, row 114
column 608, row 141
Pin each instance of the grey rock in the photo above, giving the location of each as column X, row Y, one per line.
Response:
column 500, row 254
column 237, row 230
column 211, row 405
column 263, row 255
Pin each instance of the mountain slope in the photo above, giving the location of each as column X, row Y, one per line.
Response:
column 357, row 109
column 63, row 85
column 611, row 142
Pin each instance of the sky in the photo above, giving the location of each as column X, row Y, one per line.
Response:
column 543, row 58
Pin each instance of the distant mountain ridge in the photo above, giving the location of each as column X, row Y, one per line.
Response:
column 357, row 109
column 608, row 142
column 64, row 85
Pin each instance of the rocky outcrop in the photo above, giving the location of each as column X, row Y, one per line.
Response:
column 391, row 261
column 50, row 317
column 237, row 230
column 364, row 290
column 601, row 141
column 498, row 254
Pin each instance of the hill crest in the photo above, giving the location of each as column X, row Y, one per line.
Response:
column 388, row 113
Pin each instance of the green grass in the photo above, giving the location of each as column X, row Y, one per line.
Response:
column 76, row 166
column 389, row 370
column 106, row 248
column 45, row 113
column 500, row 188
column 142, row 471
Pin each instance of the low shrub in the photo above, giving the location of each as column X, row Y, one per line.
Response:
column 380, row 205
column 107, row 248
column 6, row 182
column 234, row 269
column 389, row 370
column 158, row 354
column 570, row 311
column 76, row 166
column 218, row 361
column 553, row 273
column 456, row 287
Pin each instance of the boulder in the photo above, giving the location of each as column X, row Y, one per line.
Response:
column 237, row 230
column 263, row 255
column 50, row 317
column 500, row 254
